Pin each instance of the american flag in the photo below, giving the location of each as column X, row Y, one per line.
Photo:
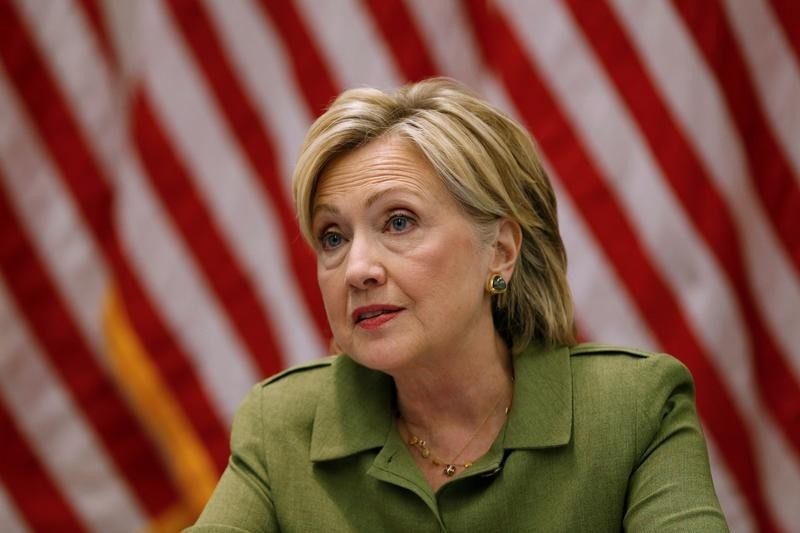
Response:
column 151, row 268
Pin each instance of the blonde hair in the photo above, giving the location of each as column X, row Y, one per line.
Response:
column 487, row 162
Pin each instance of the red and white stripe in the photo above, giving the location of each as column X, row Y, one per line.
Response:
column 146, row 150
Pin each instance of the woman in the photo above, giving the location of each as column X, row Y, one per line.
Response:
column 461, row 401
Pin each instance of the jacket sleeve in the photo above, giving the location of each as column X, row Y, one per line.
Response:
column 670, row 488
column 242, row 500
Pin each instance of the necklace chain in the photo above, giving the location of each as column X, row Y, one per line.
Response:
column 449, row 467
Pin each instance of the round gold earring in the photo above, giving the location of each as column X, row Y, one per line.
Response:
column 496, row 284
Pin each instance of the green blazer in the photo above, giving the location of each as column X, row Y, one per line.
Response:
column 599, row 439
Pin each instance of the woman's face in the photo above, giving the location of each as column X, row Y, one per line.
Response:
column 401, row 268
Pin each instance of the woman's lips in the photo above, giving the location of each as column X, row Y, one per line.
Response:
column 374, row 316
column 377, row 321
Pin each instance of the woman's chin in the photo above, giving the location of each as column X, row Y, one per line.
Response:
column 383, row 358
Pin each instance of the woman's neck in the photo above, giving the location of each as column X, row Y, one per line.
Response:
column 455, row 395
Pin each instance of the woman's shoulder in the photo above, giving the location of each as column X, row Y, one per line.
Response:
column 629, row 379
column 294, row 394
column 619, row 361
column 301, row 376
column 298, row 381
column 598, row 348
column 617, row 372
column 291, row 393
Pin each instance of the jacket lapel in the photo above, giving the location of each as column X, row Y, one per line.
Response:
column 354, row 416
column 541, row 414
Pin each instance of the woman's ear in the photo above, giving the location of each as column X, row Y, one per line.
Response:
column 506, row 248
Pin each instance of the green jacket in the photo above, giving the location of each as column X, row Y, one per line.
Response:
column 599, row 439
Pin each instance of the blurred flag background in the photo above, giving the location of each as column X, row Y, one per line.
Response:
column 151, row 269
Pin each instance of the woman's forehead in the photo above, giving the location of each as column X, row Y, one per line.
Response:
column 381, row 165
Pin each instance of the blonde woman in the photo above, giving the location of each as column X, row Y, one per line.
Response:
column 460, row 401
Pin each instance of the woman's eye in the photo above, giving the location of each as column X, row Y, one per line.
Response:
column 330, row 240
column 399, row 223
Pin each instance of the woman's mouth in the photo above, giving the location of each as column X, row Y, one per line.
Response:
column 374, row 316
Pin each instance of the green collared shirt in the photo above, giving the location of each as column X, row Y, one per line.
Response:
column 599, row 439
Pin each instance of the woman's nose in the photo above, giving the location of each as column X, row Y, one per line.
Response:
column 364, row 266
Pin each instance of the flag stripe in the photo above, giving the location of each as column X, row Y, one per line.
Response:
column 232, row 99
column 58, row 231
column 80, row 172
column 239, row 110
column 253, row 42
column 172, row 363
column 67, row 350
column 731, row 499
column 94, row 12
column 692, row 185
column 788, row 15
column 316, row 83
column 9, row 514
column 705, row 119
column 30, row 486
column 449, row 41
column 764, row 45
column 81, row 78
column 209, row 150
column 46, row 106
column 402, row 36
column 169, row 358
column 57, row 430
column 180, row 198
column 599, row 292
column 189, row 308
column 306, row 61
column 373, row 68
column 618, row 240
column 770, row 174
column 194, row 470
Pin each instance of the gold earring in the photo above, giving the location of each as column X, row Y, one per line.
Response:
column 496, row 284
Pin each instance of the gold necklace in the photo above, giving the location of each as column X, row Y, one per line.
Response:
column 450, row 467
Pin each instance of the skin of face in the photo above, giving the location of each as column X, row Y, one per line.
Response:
column 401, row 268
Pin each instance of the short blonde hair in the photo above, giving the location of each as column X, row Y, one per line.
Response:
column 487, row 162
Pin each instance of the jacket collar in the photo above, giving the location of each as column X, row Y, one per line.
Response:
column 355, row 410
